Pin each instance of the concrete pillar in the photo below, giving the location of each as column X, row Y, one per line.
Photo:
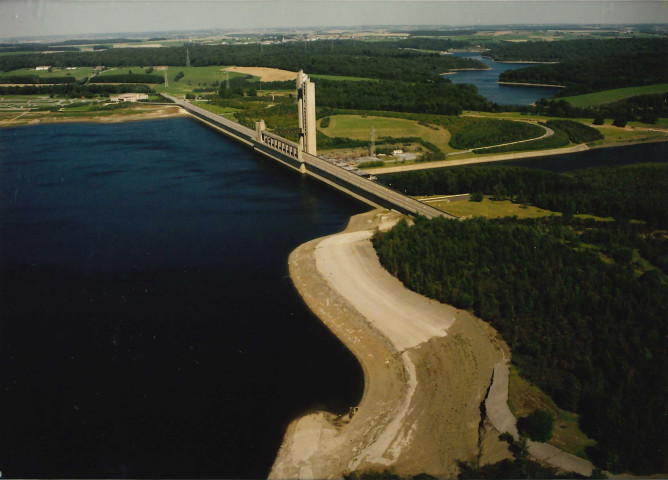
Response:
column 259, row 128
column 306, row 112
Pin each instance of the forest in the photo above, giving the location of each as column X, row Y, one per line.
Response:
column 381, row 60
column 586, row 75
column 74, row 90
column 567, row 50
column 622, row 192
column 587, row 65
column 582, row 303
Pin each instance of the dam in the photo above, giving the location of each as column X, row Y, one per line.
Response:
column 302, row 156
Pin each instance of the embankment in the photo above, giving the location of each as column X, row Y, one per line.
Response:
column 427, row 368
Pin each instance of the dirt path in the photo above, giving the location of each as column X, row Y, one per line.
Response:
column 427, row 369
column 503, row 420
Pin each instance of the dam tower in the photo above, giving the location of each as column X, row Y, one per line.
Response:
column 306, row 108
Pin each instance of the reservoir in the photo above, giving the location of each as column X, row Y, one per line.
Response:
column 148, row 324
column 487, row 82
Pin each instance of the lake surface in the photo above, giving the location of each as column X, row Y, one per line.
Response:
column 487, row 82
column 148, row 325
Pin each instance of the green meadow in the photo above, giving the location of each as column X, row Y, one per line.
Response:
column 358, row 127
column 609, row 96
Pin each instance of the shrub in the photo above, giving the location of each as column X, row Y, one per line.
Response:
column 537, row 425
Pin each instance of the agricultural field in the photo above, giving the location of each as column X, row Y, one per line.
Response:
column 193, row 77
column 80, row 73
column 358, row 127
column 609, row 96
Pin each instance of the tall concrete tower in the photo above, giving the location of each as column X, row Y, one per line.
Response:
column 306, row 107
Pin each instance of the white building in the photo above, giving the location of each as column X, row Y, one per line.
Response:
column 43, row 67
column 129, row 97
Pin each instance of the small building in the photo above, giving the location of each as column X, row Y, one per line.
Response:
column 397, row 152
column 99, row 68
column 160, row 68
column 128, row 98
column 43, row 67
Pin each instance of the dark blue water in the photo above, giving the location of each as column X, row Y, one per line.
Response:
column 642, row 153
column 487, row 82
column 148, row 325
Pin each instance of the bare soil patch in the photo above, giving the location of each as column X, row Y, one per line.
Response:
column 265, row 74
column 420, row 412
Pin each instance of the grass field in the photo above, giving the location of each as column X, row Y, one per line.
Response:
column 358, row 127
column 489, row 208
column 79, row 73
column 609, row 96
column 496, row 209
column 193, row 77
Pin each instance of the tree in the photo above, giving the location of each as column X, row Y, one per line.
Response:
column 537, row 425
column 619, row 122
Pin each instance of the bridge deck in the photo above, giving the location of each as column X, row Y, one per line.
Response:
column 348, row 182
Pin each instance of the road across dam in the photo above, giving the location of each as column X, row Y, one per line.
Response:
column 289, row 154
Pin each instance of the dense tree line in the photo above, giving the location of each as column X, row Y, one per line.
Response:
column 645, row 108
column 35, row 79
column 577, row 132
column 76, row 90
column 384, row 60
column 585, row 75
column 567, row 50
column 437, row 44
column 480, row 132
column 438, row 97
column 565, row 132
column 582, row 323
column 557, row 140
column 622, row 192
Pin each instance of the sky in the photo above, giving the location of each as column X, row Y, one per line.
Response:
column 29, row 18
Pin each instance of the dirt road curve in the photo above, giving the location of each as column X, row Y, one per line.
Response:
column 427, row 369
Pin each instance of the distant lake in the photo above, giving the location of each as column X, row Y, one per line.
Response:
column 148, row 324
column 488, row 86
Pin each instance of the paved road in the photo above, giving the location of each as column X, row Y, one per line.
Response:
column 503, row 420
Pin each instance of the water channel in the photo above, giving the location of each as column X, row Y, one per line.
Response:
column 488, row 85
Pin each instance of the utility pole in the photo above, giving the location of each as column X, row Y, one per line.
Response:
column 373, row 141
column 187, row 57
column 166, row 81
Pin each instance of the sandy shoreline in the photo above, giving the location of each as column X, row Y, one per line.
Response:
column 146, row 112
column 425, row 377
column 524, row 84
